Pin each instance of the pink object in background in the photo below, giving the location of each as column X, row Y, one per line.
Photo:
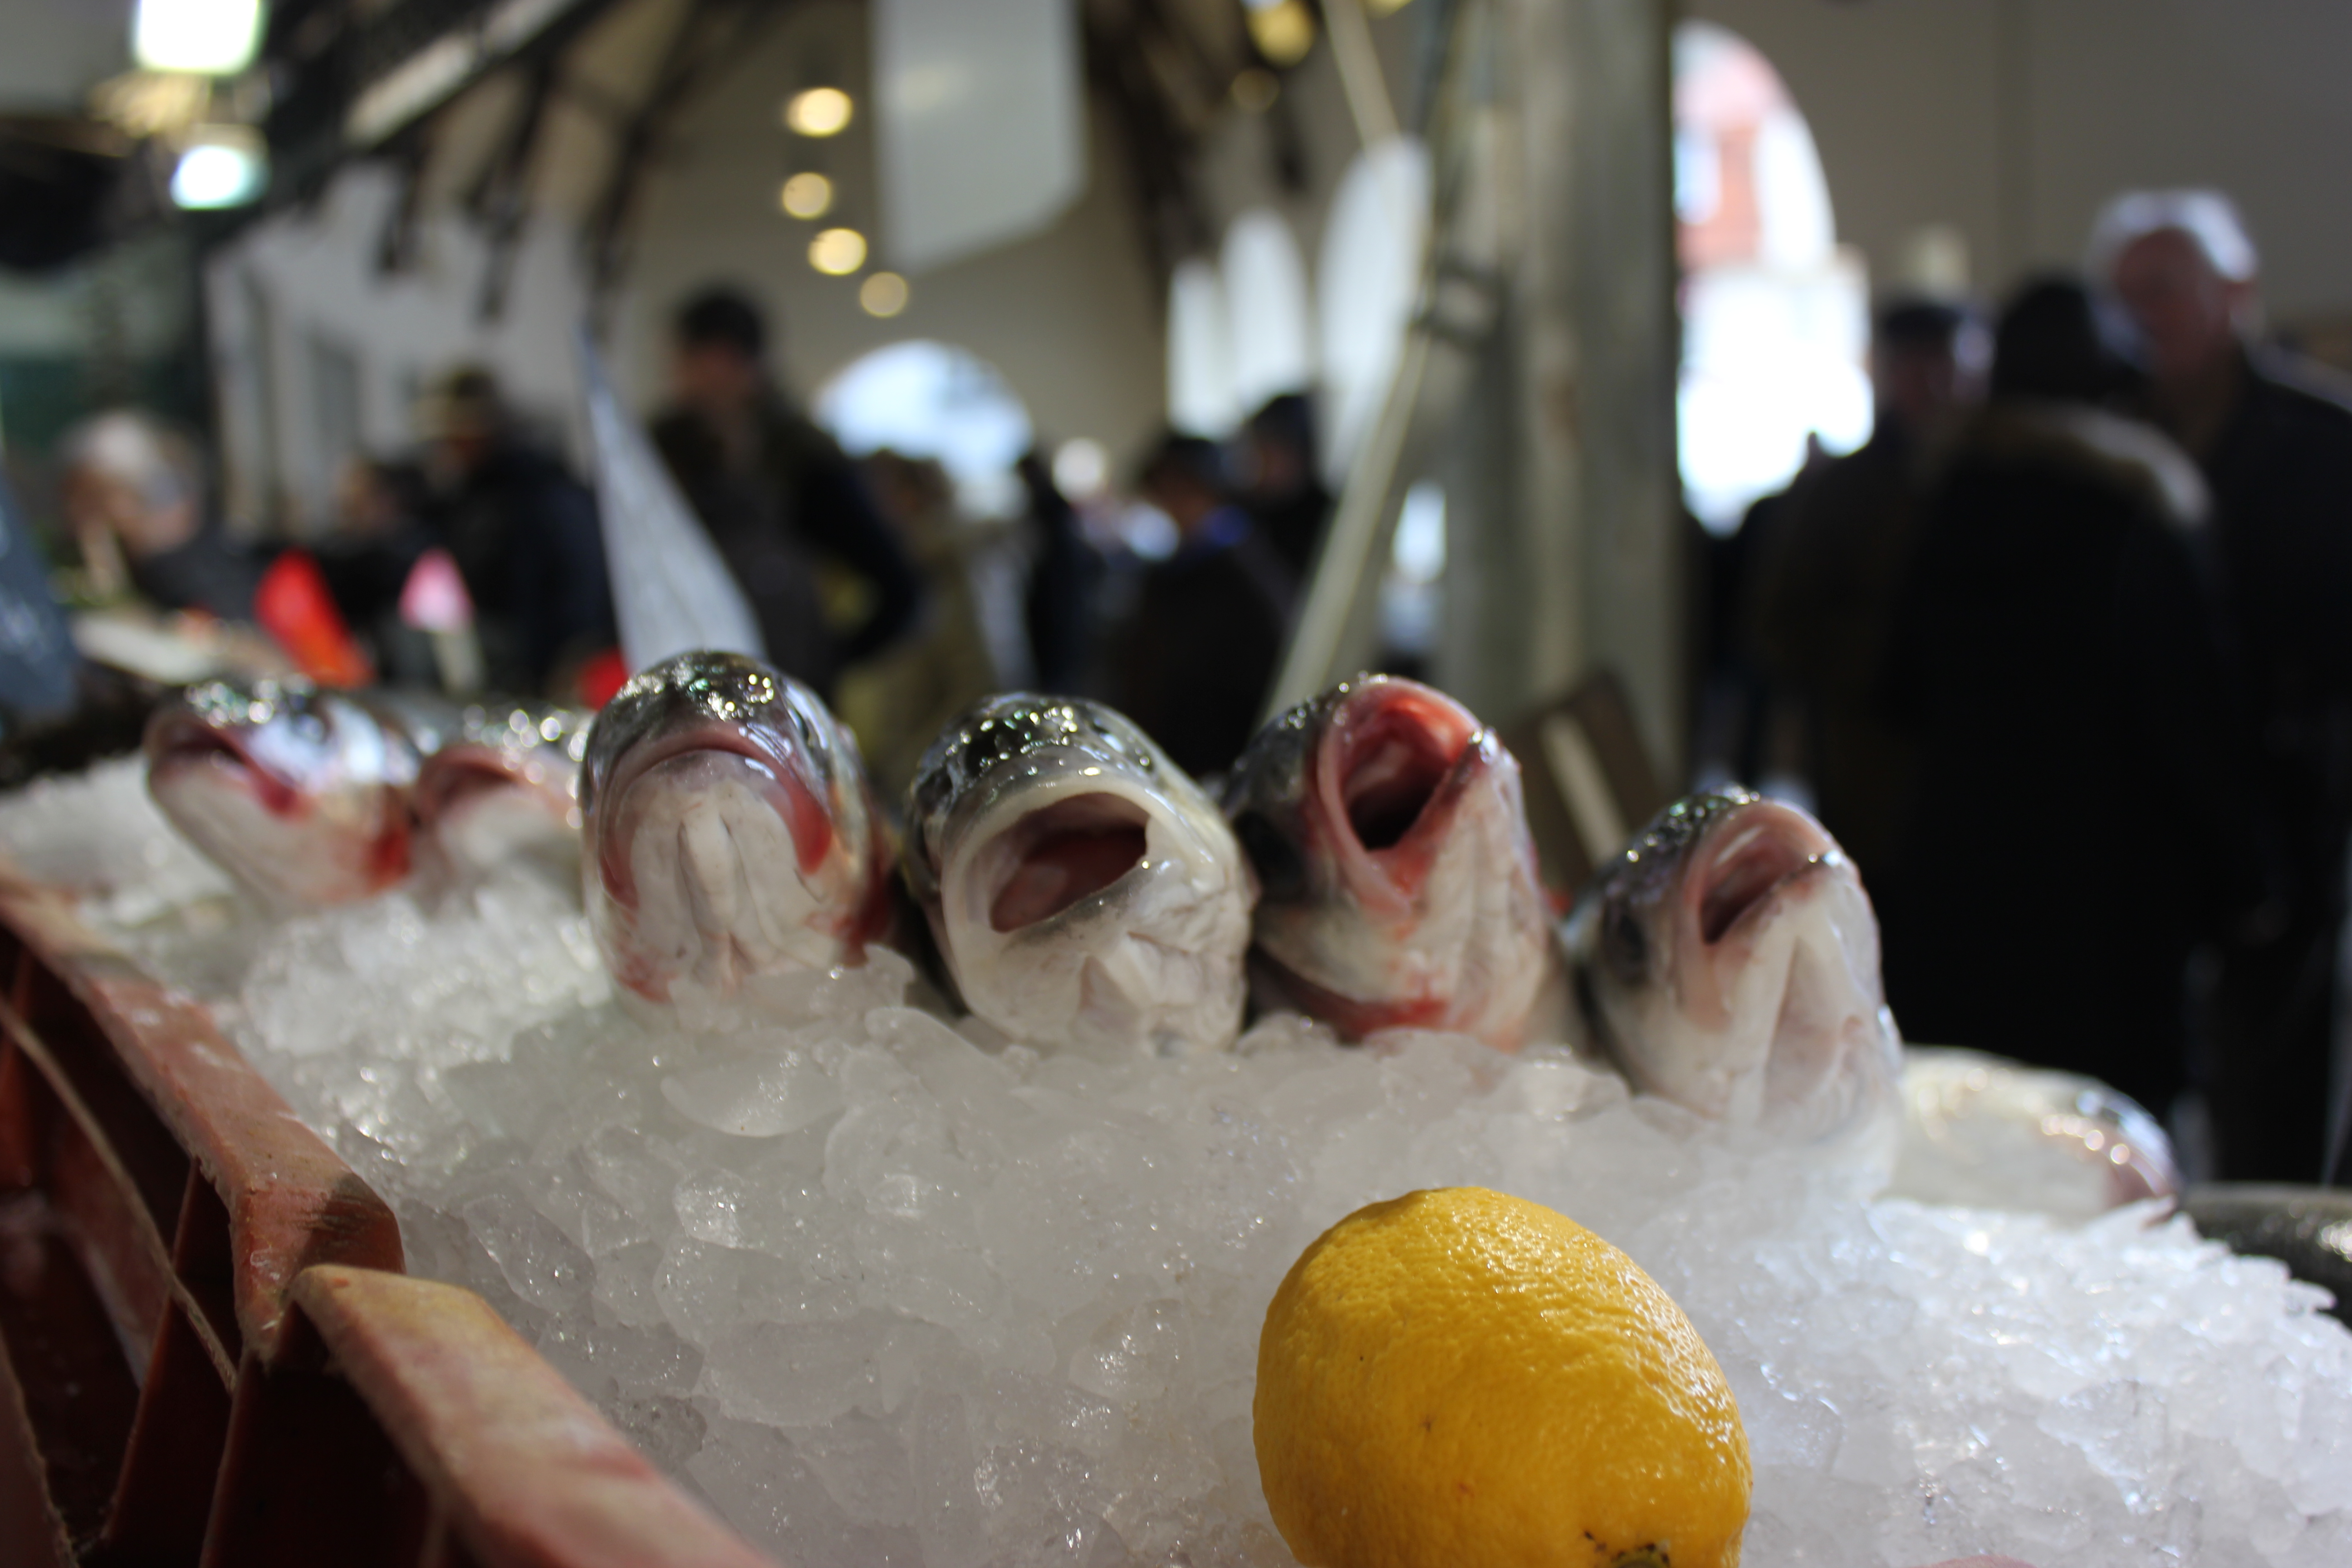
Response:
column 433, row 599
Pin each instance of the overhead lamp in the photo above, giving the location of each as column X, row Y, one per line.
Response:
column 220, row 166
column 207, row 38
column 1256, row 90
column 806, row 194
column 837, row 252
column 1282, row 30
column 882, row 295
column 819, row 112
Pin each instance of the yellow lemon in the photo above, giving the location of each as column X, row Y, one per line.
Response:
column 1462, row 1379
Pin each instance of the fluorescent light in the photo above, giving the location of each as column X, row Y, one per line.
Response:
column 223, row 166
column 210, row 38
column 819, row 112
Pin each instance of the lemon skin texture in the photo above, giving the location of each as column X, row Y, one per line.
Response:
column 1457, row 1378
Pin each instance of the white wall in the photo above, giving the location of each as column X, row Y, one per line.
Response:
column 2014, row 120
column 1068, row 316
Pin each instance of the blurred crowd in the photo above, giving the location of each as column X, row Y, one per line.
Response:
column 476, row 562
column 2063, row 655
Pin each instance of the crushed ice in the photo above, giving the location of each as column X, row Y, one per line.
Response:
column 889, row 1290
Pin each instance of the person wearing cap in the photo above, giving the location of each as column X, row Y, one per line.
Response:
column 778, row 496
column 2274, row 443
column 134, row 497
column 523, row 533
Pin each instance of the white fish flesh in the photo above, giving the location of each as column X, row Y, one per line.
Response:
column 1085, row 892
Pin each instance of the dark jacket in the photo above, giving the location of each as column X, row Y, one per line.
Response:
column 525, row 537
column 1199, row 652
column 793, row 501
column 2077, row 818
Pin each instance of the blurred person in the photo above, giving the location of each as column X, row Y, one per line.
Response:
column 2078, row 818
column 379, row 533
column 1199, row 649
column 134, row 497
column 523, row 533
column 778, row 496
column 1823, row 566
column 899, row 702
column 1283, row 491
column 2274, row 445
column 1063, row 581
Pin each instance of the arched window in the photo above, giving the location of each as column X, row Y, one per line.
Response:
column 1775, row 314
column 1201, row 399
column 926, row 399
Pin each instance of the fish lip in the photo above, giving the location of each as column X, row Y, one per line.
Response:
column 805, row 808
column 1794, row 850
column 175, row 742
column 1386, row 879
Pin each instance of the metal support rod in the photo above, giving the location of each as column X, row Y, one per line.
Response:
column 1360, row 77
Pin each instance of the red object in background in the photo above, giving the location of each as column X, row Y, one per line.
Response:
column 600, row 678
column 434, row 598
column 293, row 607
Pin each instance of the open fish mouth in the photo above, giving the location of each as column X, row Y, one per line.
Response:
column 1749, row 865
column 1060, row 855
column 1394, row 763
column 179, row 746
column 691, row 760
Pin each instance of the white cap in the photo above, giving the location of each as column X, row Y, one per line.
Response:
column 2208, row 218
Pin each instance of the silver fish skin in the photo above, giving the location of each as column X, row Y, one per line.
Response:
column 1085, row 892
column 729, row 834
column 1988, row 1132
column 1728, row 961
column 503, row 784
column 303, row 794
column 1397, row 877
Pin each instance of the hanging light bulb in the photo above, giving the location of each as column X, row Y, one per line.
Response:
column 806, row 194
column 209, row 37
column 882, row 295
column 837, row 252
column 221, row 166
column 1282, row 30
column 819, row 112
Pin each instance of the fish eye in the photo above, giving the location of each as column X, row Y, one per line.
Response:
column 1281, row 869
column 1624, row 947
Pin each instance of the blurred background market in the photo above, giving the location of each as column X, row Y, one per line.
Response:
column 1927, row 410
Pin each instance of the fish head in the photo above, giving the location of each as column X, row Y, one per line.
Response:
column 299, row 793
column 1398, row 882
column 1728, row 961
column 504, row 786
column 1085, row 892
column 727, row 830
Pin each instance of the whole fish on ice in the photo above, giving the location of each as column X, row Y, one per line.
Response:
column 301, row 793
column 1397, row 877
column 1728, row 961
column 1989, row 1132
column 1084, row 891
column 729, row 831
column 504, row 784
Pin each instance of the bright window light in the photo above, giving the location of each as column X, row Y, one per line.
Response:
column 837, row 252
column 819, row 112
column 226, row 166
column 210, row 38
column 927, row 399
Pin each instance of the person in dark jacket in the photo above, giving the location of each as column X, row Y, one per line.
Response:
column 2076, row 822
column 777, row 494
column 1059, row 611
column 1199, row 650
column 2275, row 447
column 525, row 537
column 1825, row 565
column 1285, row 497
